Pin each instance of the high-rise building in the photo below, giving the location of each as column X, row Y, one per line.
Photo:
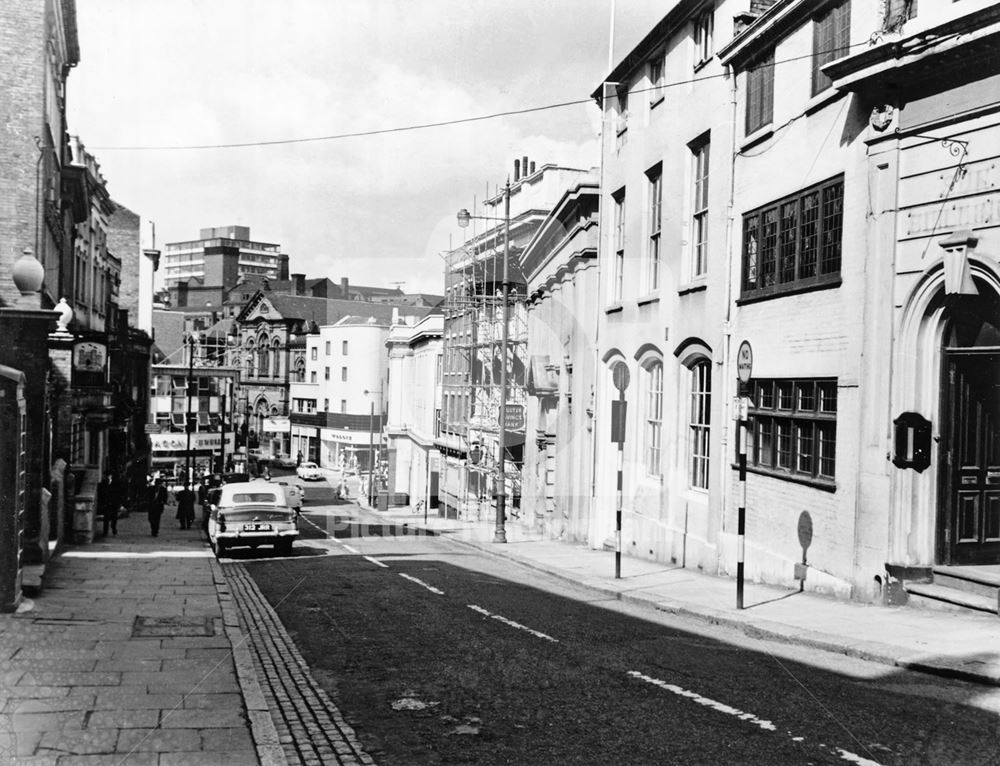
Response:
column 221, row 256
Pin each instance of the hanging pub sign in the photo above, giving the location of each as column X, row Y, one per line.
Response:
column 89, row 362
column 89, row 356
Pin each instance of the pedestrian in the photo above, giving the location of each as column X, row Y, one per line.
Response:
column 298, row 459
column 185, row 506
column 108, row 502
column 203, row 502
column 157, row 497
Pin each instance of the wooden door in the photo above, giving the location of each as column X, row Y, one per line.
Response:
column 971, row 528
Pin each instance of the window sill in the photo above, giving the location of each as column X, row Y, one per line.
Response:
column 693, row 287
column 655, row 102
column 757, row 137
column 825, row 485
column 760, row 295
column 703, row 63
column 648, row 299
column 821, row 99
column 614, row 308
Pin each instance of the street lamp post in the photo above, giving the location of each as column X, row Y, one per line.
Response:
column 187, row 420
column 371, row 454
column 500, row 534
column 371, row 441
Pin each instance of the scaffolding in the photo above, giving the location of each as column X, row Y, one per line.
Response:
column 473, row 368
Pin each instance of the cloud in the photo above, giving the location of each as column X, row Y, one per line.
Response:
column 373, row 208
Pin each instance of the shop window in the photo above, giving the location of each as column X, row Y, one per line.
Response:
column 794, row 427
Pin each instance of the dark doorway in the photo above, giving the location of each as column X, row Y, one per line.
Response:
column 969, row 516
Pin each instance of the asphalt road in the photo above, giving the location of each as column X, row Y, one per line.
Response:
column 440, row 654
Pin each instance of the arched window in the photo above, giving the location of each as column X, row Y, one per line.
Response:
column 276, row 372
column 264, row 358
column 652, row 436
column 249, row 358
column 700, row 422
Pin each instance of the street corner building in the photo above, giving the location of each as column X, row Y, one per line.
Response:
column 817, row 180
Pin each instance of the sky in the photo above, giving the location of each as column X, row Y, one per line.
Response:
column 378, row 210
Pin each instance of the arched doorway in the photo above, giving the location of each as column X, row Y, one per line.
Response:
column 968, row 527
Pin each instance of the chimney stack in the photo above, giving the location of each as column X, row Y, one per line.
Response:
column 532, row 167
column 299, row 281
column 343, row 288
column 524, row 165
column 517, row 170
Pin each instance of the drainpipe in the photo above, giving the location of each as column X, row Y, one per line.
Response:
column 727, row 323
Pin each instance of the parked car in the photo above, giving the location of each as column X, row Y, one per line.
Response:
column 251, row 514
column 293, row 494
column 309, row 472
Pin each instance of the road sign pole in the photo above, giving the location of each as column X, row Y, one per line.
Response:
column 620, row 377
column 744, row 370
column 741, row 519
column 618, row 504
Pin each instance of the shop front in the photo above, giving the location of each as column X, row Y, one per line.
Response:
column 169, row 453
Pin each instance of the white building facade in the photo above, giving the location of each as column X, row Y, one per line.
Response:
column 337, row 410
column 414, row 409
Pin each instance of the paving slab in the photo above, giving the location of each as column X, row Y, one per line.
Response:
column 123, row 658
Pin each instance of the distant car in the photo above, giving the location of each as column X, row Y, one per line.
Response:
column 309, row 472
column 293, row 494
column 252, row 513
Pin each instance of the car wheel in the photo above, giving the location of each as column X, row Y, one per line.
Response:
column 283, row 547
column 220, row 548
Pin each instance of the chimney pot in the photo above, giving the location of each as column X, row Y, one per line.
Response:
column 517, row 170
column 524, row 165
column 532, row 167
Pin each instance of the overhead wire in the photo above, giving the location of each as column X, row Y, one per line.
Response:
column 439, row 123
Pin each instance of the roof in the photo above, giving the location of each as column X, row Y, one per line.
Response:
column 638, row 55
column 366, row 321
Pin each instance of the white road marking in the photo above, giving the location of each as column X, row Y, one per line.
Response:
column 376, row 561
column 421, row 583
column 742, row 715
column 852, row 758
column 722, row 708
column 508, row 621
column 351, row 549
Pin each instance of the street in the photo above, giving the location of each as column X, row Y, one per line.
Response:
column 437, row 653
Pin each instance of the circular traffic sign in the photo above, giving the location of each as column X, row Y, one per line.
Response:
column 744, row 362
column 620, row 376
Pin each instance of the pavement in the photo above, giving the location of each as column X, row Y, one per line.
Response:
column 952, row 644
column 147, row 651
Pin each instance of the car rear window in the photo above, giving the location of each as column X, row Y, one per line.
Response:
column 255, row 497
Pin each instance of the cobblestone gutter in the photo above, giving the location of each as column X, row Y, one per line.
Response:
column 306, row 725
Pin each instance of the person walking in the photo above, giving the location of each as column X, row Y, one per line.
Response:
column 157, row 499
column 108, row 502
column 203, row 502
column 185, row 506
